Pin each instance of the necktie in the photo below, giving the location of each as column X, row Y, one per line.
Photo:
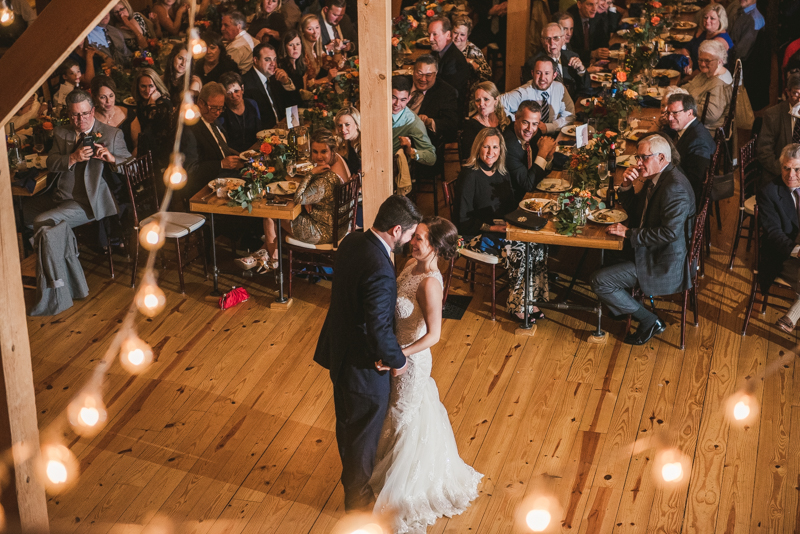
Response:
column 796, row 193
column 559, row 76
column 271, row 114
column 796, row 131
column 223, row 145
column 545, row 108
column 111, row 48
column 529, row 152
column 586, row 44
column 416, row 101
column 648, row 193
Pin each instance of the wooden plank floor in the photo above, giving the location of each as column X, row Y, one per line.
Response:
column 231, row 429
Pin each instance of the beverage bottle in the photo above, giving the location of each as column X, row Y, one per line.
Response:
column 14, row 145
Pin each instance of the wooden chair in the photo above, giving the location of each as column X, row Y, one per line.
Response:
column 730, row 118
column 779, row 282
column 749, row 174
column 304, row 255
column 141, row 179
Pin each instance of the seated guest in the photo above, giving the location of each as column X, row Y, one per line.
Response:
column 316, row 58
column 216, row 62
column 564, row 19
column 293, row 58
column 106, row 110
column 590, row 38
column 270, row 87
column 484, row 193
column 169, row 14
column 781, row 127
column 778, row 255
column 336, row 27
column 135, row 27
column 348, row 126
column 82, row 193
column 408, row 130
column 241, row 119
column 70, row 74
column 569, row 69
column 481, row 71
column 558, row 110
column 206, row 150
column 110, row 42
column 30, row 110
column 692, row 140
column 434, row 101
column 746, row 22
column 607, row 13
column 656, row 243
column 662, row 124
column 452, row 65
column 240, row 43
column 152, row 128
column 269, row 24
column 175, row 72
column 715, row 25
column 713, row 81
column 529, row 152
column 489, row 113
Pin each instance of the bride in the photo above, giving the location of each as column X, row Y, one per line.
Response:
column 418, row 475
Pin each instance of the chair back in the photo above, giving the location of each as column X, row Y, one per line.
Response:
column 345, row 205
column 749, row 171
column 446, row 278
column 714, row 166
column 449, row 195
column 737, row 77
column 705, row 109
column 141, row 179
column 697, row 242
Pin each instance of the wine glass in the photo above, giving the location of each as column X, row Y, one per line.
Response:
column 38, row 143
column 602, row 172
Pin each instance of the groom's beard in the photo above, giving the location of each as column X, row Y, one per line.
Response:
column 398, row 248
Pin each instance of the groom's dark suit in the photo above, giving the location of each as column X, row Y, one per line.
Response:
column 358, row 331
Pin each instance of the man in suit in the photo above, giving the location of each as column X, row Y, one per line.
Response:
column 357, row 339
column 570, row 71
column 336, row 26
column 660, row 218
column 778, row 208
column 453, row 66
column 692, row 140
column 206, row 150
column 434, row 101
column 270, row 87
column 590, row 37
column 528, row 152
column 85, row 153
column 781, row 127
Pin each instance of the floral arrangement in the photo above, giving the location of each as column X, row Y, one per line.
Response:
column 317, row 115
column 203, row 25
column 142, row 58
column 405, row 31
column 429, row 9
column 583, row 165
column 122, row 79
column 640, row 58
column 653, row 25
column 572, row 207
column 260, row 170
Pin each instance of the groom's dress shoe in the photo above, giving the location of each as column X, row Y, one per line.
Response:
column 642, row 336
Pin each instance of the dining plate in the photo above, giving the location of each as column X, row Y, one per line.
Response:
column 535, row 205
column 601, row 193
column 626, row 161
column 424, row 42
column 655, row 92
column 130, row 101
column 684, row 25
column 669, row 73
column 586, row 102
column 569, row 130
column 554, row 185
column 403, row 72
column 689, row 9
column 679, row 37
column 632, row 20
column 607, row 216
column 637, row 134
column 567, row 150
column 274, row 131
column 623, row 33
column 230, row 183
column 247, row 155
column 600, row 76
column 283, row 188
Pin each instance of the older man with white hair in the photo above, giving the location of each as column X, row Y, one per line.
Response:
column 656, row 242
column 569, row 69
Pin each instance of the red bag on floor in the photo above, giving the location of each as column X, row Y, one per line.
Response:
column 233, row 297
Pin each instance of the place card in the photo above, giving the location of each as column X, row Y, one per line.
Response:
column 292, row 117
column 581, row 135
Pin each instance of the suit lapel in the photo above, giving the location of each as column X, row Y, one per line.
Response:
column 377, row 242
column 786, row 122
column 788, row 205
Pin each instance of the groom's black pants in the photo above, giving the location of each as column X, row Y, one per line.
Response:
column 359, row 419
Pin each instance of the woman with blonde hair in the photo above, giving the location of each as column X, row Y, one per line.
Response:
column 153, row 123
column 489, row 113
column 483, row 196
column 348, row 126
column 135, row 27
column 315, row 54
column 714, row 25
column 713, row 82
column 269, row 24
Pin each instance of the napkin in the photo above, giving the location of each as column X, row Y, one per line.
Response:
column 560, row 161
column 650, row 102
column 673, row 61
column 526, row 219
column 26, row 179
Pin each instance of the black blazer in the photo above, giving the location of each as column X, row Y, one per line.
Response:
column 523, row 179
column 202, row 158
column 776, row 133
column 255, row 90
column 598, row 35
column 359, row 328
column 778, row 221
column 346, row 25
column 696, row 147
column 454, row 69
column 574, row 82
column 441, row 104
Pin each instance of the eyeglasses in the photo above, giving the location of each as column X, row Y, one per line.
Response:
column 641, row 157
column 78, row 116
column 215, row 109
column 674, row 113
column 707, row 61
column 425, row 75
column 118, row 11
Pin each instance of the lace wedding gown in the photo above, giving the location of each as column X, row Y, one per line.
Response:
column 418, row 475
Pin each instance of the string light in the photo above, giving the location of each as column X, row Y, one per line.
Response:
column 151, row 236
column 175, row 176
column 150, row 299
column 190, row 112
column 537, row 511
column 197, row 46
column 87, row 413
column 135, row 354
column 671, row 466
column 370, row 528
column 360, row 523
column 6, row 15
column 58, row 467
column 538, row 520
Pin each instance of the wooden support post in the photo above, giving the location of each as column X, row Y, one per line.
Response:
column 376, row 104
column 519, row 19
column 23, row 499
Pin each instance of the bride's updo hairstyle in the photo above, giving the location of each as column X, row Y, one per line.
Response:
column 443, row 236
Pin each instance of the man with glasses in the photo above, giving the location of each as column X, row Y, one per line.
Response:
column 781, row 127
column 570, row 71
column 83, row 157
column 692, row 140
column 205, row 146
column 656, row 240
column 270, row 87
column 435, row 101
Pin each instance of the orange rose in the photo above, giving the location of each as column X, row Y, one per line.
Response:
column 266, row 149
column 270, row 169
column 430, row 13
column 395, row 41
column 47, row 126
column 655, row 4
column 622, row 76
column 655, row 20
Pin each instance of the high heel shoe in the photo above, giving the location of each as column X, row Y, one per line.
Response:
column 251, row 261
column 266, row 265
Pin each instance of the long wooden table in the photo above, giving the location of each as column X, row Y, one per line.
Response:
column 208, row 202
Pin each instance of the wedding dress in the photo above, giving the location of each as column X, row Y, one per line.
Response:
column 418, row 475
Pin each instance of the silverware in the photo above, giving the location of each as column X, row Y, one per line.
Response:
column 208, row 196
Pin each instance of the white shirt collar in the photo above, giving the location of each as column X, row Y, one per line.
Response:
column 87, row 132
column 384, row 243
column 794, row 111
column 261, row 76
column 680, row 133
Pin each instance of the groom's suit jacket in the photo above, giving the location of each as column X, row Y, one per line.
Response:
column 359, row 327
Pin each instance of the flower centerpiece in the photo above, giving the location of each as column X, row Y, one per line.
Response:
column 616, row 104
column 142, row 59
column 260, row 169
column 584, row 163
column 652, row 25
column 573, row 207
column 405, row 32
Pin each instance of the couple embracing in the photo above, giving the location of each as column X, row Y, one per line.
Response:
column 395, row 440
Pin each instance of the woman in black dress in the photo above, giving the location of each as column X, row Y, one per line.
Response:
column 175, row 73
column 348, row 126
column 216, row 62
column 483, row 197
column 153, row 128
column 293, row 58
column 269, row 24
column 489, row 113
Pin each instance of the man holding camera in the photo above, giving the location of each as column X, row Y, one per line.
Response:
column 83, row 157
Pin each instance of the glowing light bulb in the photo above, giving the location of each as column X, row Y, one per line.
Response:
column 191, row 113
column 87, row 413
column 538, row 520
column 56, row 472
column 150, row 299
column 175, row 176
column 6, row 16
column 151, row 236
column 197, row 46
column 371, row 528
column 741, row 411
column 672, row 472
column 135, row 355
column 57, row 467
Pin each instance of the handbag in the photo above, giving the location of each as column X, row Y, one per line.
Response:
column 235, row 296
column 723, row 184
column 744, row 110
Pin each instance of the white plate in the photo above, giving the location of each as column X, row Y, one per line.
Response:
column 632, row 20
column 554, row 185
column 669, row 73
column 130, row 101
column 569, row 130
column 613, row 216
column 283, row 188
column 601, row 193
column 689, row 9
column 527, row 205
column 275, row 131
column 600, row 76
column 403, row 72
column 681, row 38
column 626, row 161
column 684, row 25
column 567, row 150
column 586, row 102
column 623, row 33
column 637, row 134
column 249, row 154
column 231, row 183
column 655, row 92
column 426, row 42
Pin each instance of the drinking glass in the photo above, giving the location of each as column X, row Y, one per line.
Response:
column 602, row 172
column 38, row 143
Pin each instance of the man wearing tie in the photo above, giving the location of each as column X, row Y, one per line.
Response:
column 337, row 27
column 207, row 154
column 569, row 69
column 590, row 37
column 781, row 127
column 528, row 152
column 269, row 86
column 656, row 243
column 453, row 67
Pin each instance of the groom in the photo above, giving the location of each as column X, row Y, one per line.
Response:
column 358, row 332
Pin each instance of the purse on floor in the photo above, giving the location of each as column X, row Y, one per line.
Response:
column 235, row 296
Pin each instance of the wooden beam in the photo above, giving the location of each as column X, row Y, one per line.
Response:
column 518, row 20
column 42, row 47
column 376, row 104
column 18, row 423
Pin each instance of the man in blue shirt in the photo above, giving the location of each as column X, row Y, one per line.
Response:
column 745, row 25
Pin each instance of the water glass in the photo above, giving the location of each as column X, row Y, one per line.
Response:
column 602, row 172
